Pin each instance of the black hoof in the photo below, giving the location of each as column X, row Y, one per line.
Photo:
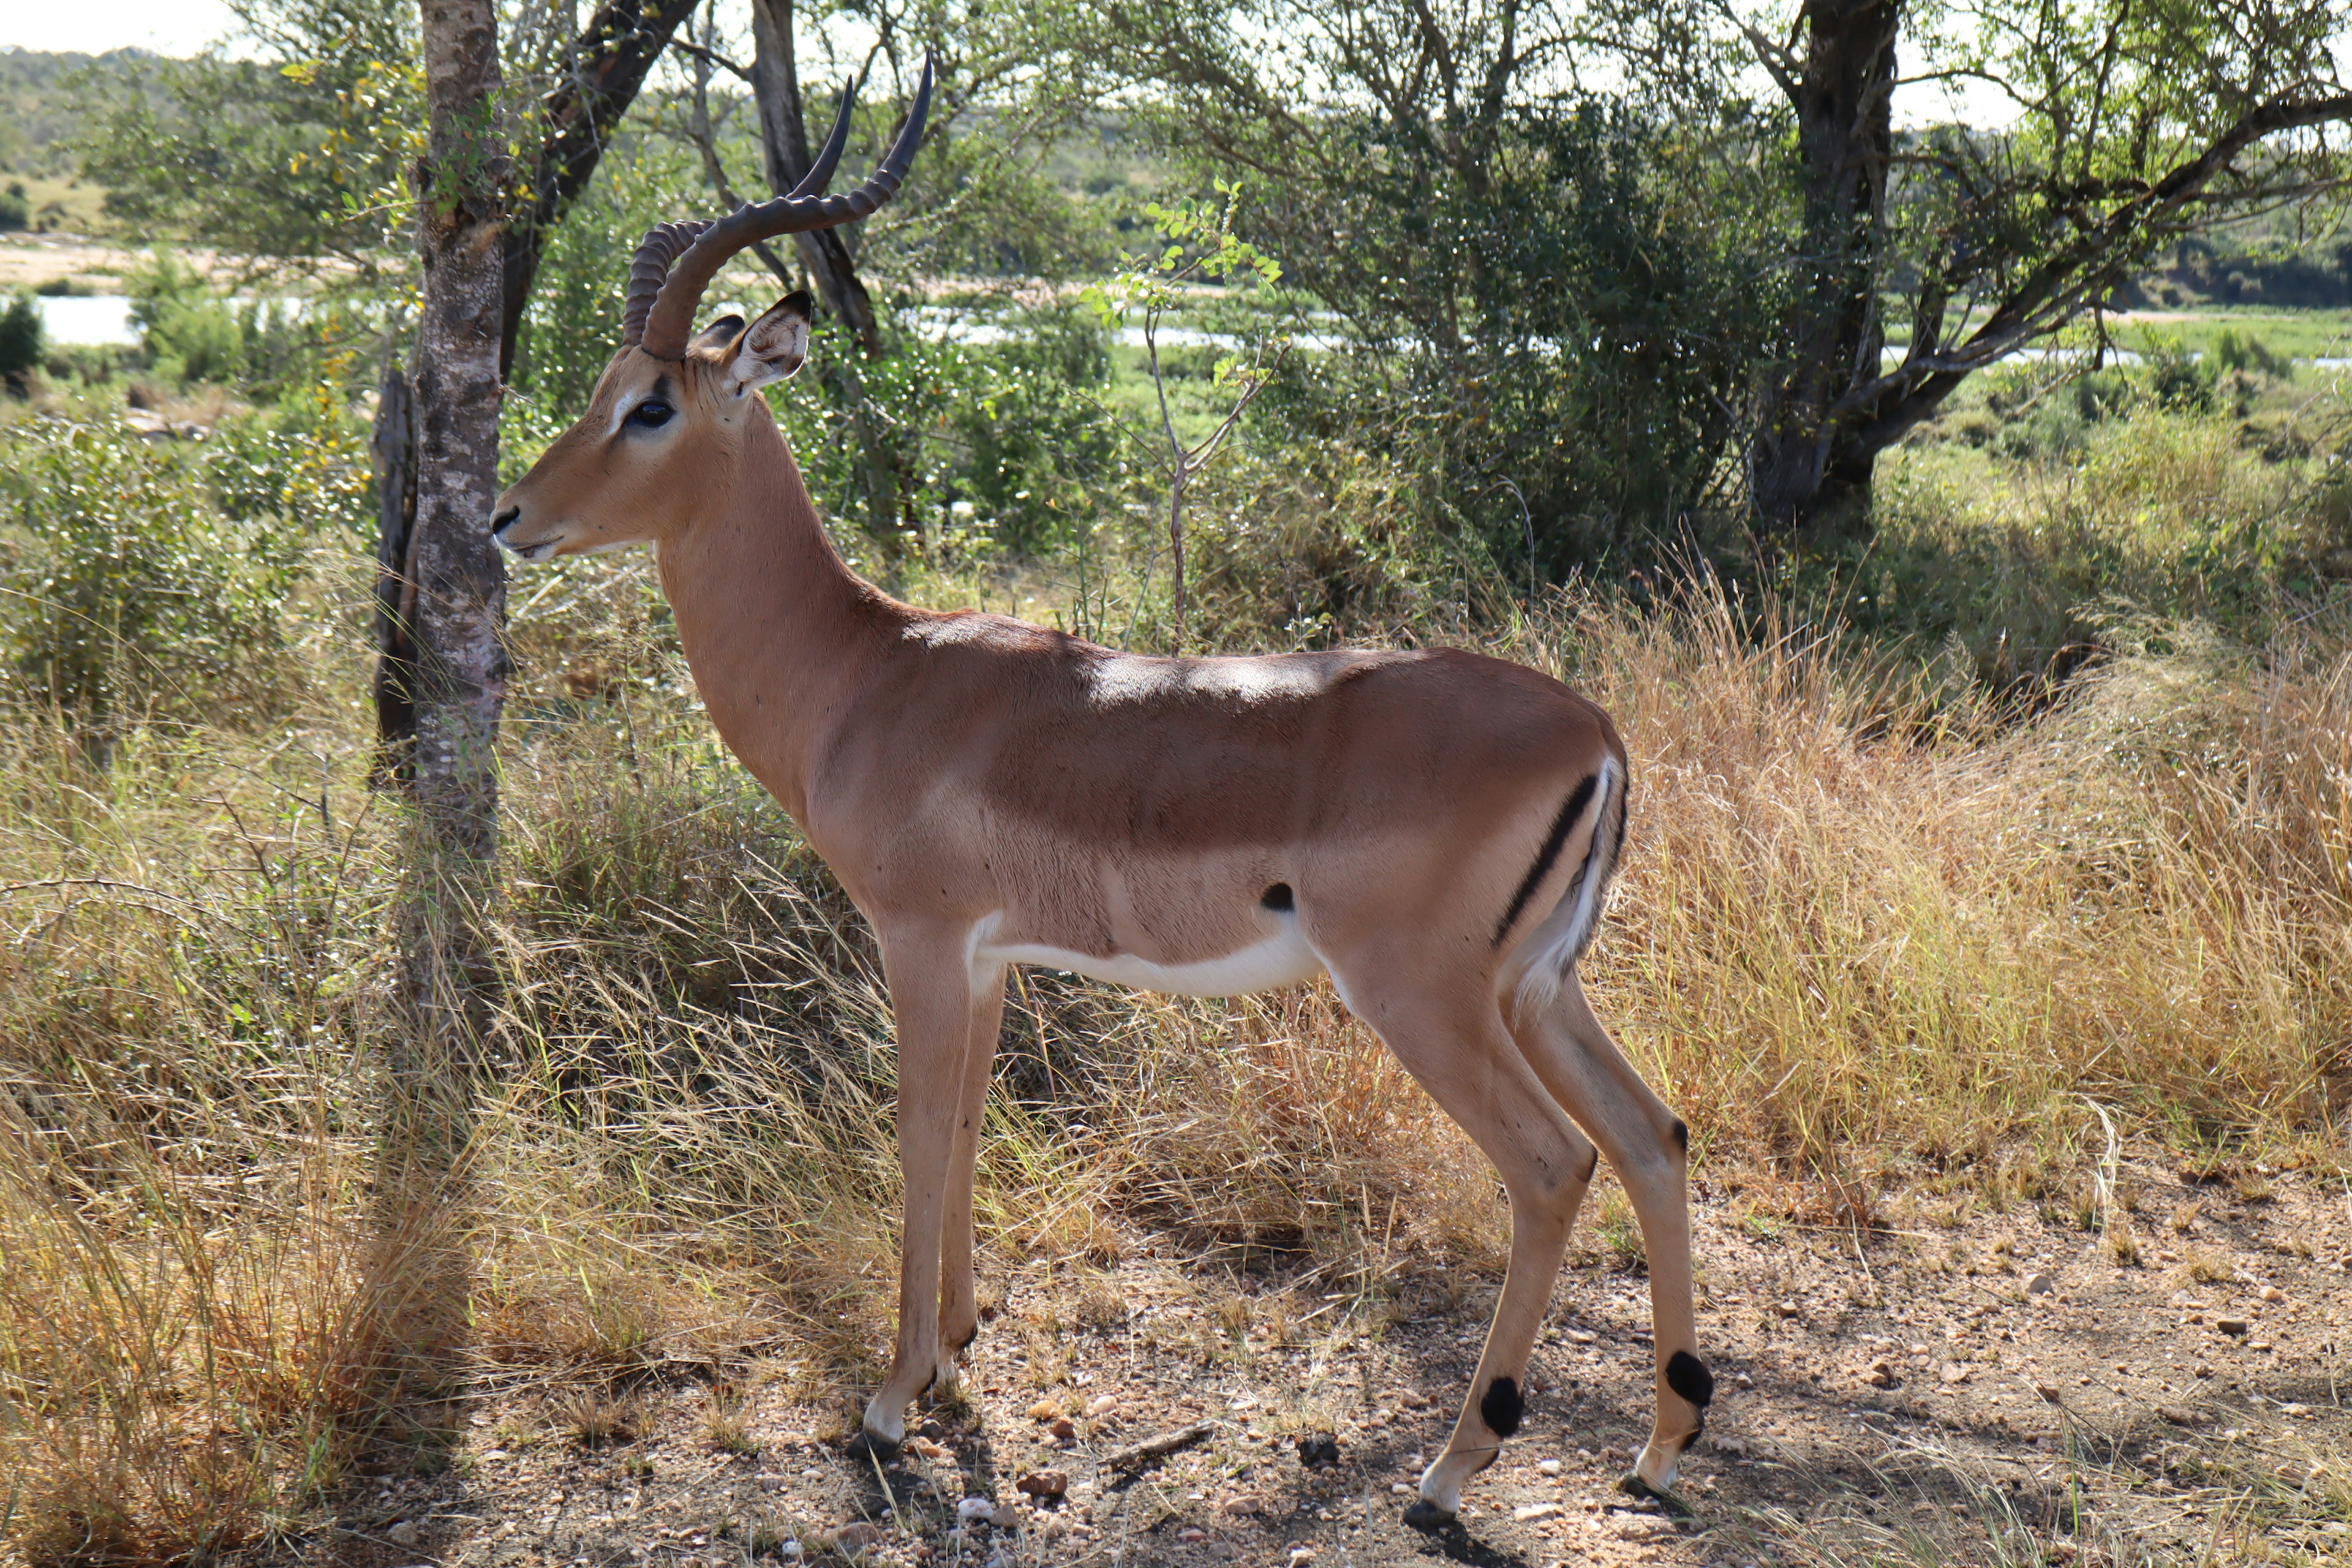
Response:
column 867, row 1446
column 1672, row 1502
column 1425, row 1515
column 1318, row 1452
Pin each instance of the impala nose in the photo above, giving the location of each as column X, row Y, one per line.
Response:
column 502, row 521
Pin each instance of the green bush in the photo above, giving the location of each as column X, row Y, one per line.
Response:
column 189, row 334
column 21, row 341
column 130, row 592
column 2247, row 352
column 16, row 207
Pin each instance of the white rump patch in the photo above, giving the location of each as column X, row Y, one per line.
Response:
column 1282, row 959
column 1551, row 949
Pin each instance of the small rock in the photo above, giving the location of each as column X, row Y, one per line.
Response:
column 1044, row 1410
column 2235, row 1327
column 1955, row 1374
column 1101, row 1405
column 2041, row 1285
column 1581, row 1337
column 1785, row 1309
column 1881, row 1375
column 2050, row 1392
column 1062, row 1429
column 857, row 1536
column 927, row 1448
column 1743, row 1380
column 1319, row 1451
column 975, row 1507
column 1191, row 1535
column 1302, row 1553
column 1548, row 1466
column 1005, row 1517
column 404, row 1532
column 1240, row 1504
column 1536, row 1510
column 1043, row 1483
column 789, row 1551
column 2273, row 1293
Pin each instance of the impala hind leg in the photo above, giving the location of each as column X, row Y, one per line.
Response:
column 1649, row 1148
column 931, row 996
column 959, row 1299
column 1461, row 1053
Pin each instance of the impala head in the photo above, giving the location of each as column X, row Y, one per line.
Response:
column 670, row 415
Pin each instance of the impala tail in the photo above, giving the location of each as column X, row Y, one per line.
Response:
column 1548, row 952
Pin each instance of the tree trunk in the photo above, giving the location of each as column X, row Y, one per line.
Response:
column 784, row 142
column 832, row 266
column 609, row 62
column 1805, row 468
column 453, row 686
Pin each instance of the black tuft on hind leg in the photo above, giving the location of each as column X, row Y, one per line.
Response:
column 1502, row 1407
column 1687, row 1376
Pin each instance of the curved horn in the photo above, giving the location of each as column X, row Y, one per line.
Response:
column 648, row 266
column 706, row 247
column 820, row 173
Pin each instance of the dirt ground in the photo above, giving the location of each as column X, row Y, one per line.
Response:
column 1998, row 1387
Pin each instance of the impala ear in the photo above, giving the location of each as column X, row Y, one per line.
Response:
column 719, row 335
column 773, row 347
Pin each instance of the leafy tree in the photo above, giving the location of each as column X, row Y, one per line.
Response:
column 1556, row 300
column 2134, row 125
column 2126, row 128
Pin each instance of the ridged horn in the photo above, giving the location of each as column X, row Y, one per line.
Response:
column 675, row 261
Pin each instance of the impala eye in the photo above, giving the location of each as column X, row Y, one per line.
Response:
column 653, row 414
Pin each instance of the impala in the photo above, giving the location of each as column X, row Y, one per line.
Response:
column 1435, row 831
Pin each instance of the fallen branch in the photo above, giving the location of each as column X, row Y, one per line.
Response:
column 1152, row 1448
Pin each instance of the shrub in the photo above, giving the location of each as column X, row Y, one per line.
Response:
column 133, row 592
column 191, row 335
column 21, row 341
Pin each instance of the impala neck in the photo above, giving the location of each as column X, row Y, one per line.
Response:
column 780, row 633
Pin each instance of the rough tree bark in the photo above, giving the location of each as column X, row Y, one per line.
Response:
column 1804, row 468
column 454, row 589
column 609, row 63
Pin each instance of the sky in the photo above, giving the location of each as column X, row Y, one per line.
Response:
column 93, row 26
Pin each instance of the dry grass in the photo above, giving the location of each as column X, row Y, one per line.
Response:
column 1855, row 946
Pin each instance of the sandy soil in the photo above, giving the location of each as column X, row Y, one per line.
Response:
column 1998, row 1389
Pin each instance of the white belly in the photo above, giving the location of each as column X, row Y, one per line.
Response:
column 1282, row 959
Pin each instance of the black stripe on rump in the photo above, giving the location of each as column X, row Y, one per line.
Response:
column 1546, row 855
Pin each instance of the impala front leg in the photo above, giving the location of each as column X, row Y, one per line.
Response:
column 931, row 984
column 958, row 1300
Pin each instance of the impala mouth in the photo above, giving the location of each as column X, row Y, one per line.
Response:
column 539, row 551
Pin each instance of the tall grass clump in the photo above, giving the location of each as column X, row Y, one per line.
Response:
column 1861, row 922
